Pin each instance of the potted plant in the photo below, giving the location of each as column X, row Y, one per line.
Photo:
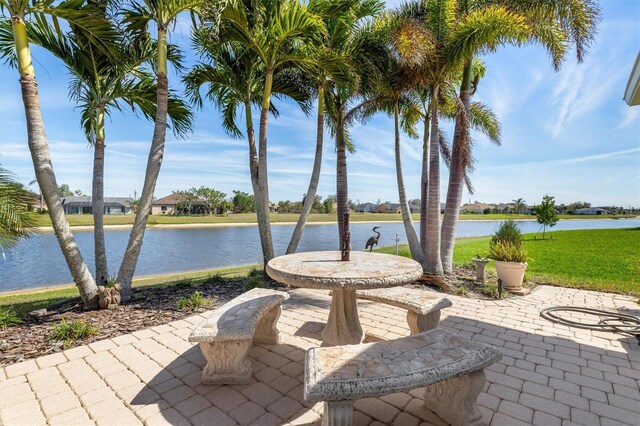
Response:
column 509, row 257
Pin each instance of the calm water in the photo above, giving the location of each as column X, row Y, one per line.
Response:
column 38, row 262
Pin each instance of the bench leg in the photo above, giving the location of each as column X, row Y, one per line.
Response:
column 420, row 323
column 454, row 400
column 267, row 330
column 226, row 362
column 338, row 413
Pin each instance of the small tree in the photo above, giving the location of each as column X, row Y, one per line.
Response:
column 546, row 213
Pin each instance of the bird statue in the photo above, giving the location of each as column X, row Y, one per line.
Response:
column 373, row 241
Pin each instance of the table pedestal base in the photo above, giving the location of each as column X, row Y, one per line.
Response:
column 343, row 326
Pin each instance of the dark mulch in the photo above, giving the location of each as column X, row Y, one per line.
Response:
column 148, row 307
column 155, row 306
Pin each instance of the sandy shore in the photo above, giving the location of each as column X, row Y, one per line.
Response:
column 49, row 229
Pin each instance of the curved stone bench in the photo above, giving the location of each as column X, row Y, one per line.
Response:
column 226, row 336
column 449, row 366
column 423, row 306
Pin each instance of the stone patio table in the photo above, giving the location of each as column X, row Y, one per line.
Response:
column 325, row 270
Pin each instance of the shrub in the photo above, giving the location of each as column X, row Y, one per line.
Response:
column 506, row 251
column 8, row 317
column 74, row 330
column 255, row 279
column 183, row 283
column 490, row 290
column 214, row 279
column 508, row 232
column 193, row 302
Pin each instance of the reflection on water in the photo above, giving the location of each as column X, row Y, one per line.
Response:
column 38, row 262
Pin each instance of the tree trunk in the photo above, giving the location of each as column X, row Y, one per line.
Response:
column 424, row 183
column 97, row 202
column 39, row 148
column 264, row 221
column 315, row 177
column 459, row 153
column 154, row 162
column 342, row 190
column 410, row 230
column 433, row 263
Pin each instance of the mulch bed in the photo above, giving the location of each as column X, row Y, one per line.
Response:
column 150, row 307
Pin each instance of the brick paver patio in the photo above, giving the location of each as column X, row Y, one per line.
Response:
column 549, row 375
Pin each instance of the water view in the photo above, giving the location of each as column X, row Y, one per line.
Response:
column 38, row 262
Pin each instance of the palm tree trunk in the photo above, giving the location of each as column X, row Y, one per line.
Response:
column 342, row 190
column 315, row 177
column 459, row 151
column 424, row 183
column 97, row 202
column 433, row 263
column 39, row 148
column 262, row 202
column 410, row 230
column 154, row 162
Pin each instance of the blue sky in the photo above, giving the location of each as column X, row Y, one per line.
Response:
column 568, row 134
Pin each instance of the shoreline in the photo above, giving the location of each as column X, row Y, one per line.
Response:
column 49, row 229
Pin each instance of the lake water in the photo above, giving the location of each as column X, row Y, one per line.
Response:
column 38, row 262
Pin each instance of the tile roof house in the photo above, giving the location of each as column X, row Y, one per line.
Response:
column 169, row 205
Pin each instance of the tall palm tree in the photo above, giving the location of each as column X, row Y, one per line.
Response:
column 434, row 37
column 19, row 19
column 139, row 16
column 235, row 82
column 519, row 205
column 550, row 23
column 330, row 67
column 16, row 221
column 101, row 83
column 274, row 30
column 349, row 37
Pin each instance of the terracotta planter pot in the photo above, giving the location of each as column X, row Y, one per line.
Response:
column 511, row 274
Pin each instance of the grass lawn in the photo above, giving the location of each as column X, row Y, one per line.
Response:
column 87, row 219
column 26, row 302
column 602, row 259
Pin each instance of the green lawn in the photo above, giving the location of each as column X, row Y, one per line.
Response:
column 87, row 219
column 23, row 303
column 603, row 259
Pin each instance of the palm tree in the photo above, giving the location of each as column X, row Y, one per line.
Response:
column 349, row 38
column 274, row 31
column 16, row 221
column 101, row 83
column 434, row 38
column 235, row 82
column 550, row 23
column 20, row 18
column 139, row 16
column 519, row 205
column 330, row 68
column 393, row 92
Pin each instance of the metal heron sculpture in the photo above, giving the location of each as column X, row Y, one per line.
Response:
column 373, row 241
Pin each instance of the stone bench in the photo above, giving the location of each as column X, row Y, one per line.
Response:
column 226, row 336
column 449, row 366
column 423, row 306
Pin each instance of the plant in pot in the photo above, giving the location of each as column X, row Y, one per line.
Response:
column 509, row 257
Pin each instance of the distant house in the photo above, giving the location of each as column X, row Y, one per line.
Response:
column 477, row 208
column 592, row 210
column 387, row 208
column 82, row 205
column 171, row 205
column 365, row 208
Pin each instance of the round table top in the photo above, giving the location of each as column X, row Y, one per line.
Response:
column 324, row 269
